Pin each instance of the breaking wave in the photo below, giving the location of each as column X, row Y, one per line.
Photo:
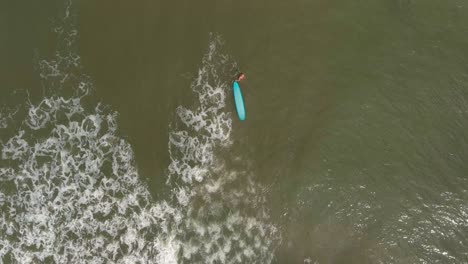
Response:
column 70, row 191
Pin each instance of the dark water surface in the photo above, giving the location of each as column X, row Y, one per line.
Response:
column 120, row 141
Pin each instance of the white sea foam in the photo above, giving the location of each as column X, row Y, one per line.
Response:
column 222, row 213
column 70, row 191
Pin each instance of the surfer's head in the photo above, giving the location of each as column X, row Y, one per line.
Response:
column 240, row 76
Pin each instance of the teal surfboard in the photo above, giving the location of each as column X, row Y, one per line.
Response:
column 238, row 100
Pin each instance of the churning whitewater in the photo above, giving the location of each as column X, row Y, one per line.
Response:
column 70, row 191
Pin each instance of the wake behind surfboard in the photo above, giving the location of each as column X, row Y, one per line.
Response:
column 238, row 100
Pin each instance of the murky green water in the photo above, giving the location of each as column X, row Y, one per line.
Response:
column 353, row 150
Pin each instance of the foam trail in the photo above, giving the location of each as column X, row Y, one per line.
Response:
column 70, row 191
column 225, row 221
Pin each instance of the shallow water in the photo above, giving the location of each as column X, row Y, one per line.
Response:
column 120, row 141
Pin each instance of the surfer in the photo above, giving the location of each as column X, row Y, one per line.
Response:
column 238, row 100
column 240, row 77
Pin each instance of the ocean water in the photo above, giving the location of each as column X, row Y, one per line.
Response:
column 120, row 142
